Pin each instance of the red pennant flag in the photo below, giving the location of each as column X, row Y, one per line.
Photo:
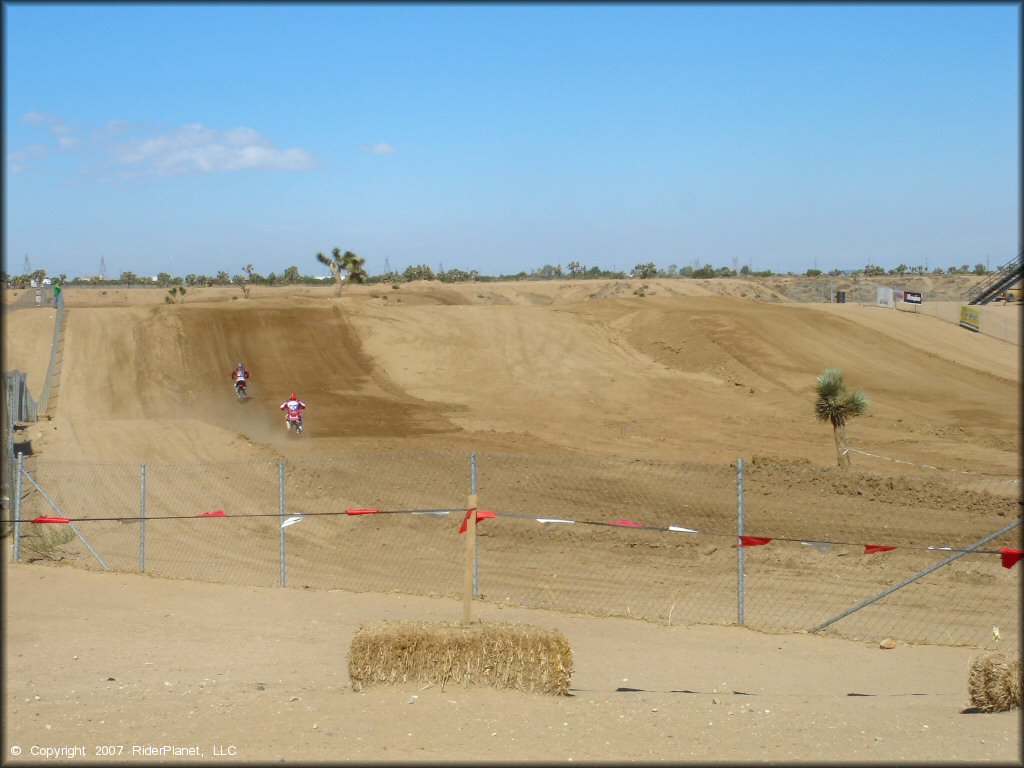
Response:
column 215, row 513
column 361, row 511
column 627, row 524
column 59, row 520
column 753, row 541
column 481, row 514
column 870, row 549
column 1010, row 557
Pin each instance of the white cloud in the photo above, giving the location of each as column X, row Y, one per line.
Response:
column 196, row 149
column 39, row 118
column 26, row 159
column 23, row 159
column 189, row 149
column 65, row 136
column 380, row 149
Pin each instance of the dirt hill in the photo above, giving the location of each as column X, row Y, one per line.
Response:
column 671, row 369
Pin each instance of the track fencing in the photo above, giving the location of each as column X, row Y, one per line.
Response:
column 53, row 368
column 19, row 405
column 999, row 322
column 19, row 408
column 653, row 541
column 25, row 298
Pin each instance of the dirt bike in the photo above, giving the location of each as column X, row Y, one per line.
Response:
column 294, row 417
column 241, row 390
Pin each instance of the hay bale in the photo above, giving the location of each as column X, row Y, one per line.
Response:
column 994, row 683
column 499, row 655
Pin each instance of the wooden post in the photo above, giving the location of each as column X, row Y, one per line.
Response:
column 467, row 595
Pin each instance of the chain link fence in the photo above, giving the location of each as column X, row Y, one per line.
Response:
column 605, row 537
column 1000, row 322
column 602, row 564
column 26, row 298
column 19, row 408
column 819, row 558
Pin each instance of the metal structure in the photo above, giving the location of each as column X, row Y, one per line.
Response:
column 994, row 284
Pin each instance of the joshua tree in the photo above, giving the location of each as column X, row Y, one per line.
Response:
column 343, row 262
column 174, row 294
column 645, row 271
column 242, row 283
column 837, row 406
column 245, row 281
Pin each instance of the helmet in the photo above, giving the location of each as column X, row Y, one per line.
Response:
column 241, row 365
column 293, row 396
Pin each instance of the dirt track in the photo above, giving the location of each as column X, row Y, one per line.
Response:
column 567, row 375
column 687, row 377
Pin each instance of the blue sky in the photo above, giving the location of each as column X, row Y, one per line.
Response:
column 196, row 138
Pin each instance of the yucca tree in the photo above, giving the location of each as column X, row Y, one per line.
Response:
column 343, row 262
column 837, row 406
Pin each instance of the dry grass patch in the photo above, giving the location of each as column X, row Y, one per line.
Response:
column 499, row 655
column 994, row 683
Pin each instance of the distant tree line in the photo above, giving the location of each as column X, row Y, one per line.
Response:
column 349, row 267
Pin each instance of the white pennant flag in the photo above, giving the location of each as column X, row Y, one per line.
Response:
column 820, row 546
column 291, row 521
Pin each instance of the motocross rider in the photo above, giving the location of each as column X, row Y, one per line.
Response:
column 240, row 376
column 292, row 405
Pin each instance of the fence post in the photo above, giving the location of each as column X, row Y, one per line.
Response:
column 280, row 481
column 740, row 551
column 142, row 524
column 476, row 550
column 17, row 510
column 467, row 589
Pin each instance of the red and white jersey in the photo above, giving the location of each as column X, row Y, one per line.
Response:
column 292, row 406
column 240, row 374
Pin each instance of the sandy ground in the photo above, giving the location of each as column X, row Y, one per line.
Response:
column 561, row 371
column 128, row 661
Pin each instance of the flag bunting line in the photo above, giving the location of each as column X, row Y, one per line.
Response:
column 1009, row 556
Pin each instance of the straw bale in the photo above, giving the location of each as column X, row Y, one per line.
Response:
column 994, row 682
column 498, row 655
